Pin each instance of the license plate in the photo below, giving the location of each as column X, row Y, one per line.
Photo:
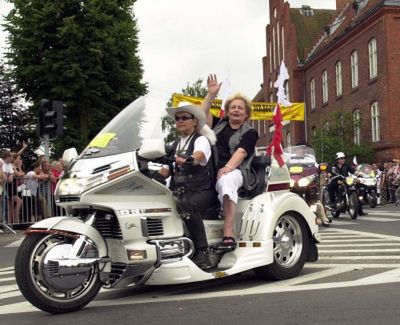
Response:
column 296, row 169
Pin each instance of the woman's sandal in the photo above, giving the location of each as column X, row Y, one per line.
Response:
column 228, row 241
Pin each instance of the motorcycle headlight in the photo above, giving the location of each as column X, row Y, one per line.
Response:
column 76, row 186
column 349, row 180
column 71, row 186
column 304, row 182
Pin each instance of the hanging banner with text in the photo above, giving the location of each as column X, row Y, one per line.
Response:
column 259, row 111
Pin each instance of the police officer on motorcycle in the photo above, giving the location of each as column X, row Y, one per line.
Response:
column 340, row 168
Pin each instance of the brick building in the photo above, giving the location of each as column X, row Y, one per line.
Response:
column 348, row 58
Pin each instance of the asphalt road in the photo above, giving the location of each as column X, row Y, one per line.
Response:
column 355, row 281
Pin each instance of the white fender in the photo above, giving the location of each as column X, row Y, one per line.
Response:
column 260, row 217
column 75, row 226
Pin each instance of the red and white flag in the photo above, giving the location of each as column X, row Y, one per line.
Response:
column 275, row 148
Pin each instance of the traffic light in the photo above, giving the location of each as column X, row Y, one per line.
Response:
column 51, row 118
column 58, row 108
column 44, row 106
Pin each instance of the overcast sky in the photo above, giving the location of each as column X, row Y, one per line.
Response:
column 183, row 40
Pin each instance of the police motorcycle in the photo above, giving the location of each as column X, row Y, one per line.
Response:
column 304, row 178
column 346, row 196
column 367, row 184
column 122, row 227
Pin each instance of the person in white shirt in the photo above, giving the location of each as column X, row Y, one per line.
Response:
column 192, row 176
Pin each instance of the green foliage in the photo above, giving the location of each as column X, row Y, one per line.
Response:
column 83, row 53
column 16, row 122
column 339, row 137
column 167, row 123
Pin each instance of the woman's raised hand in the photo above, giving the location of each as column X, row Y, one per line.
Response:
column 212, row 84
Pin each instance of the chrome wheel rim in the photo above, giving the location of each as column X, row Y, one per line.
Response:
column 288, row 241
column 37, row 262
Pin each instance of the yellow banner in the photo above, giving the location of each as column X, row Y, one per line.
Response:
column 259, row 111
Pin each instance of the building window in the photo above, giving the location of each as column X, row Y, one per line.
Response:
column 274, row 42
column 357, row 126
column 278, row 47
column 288, row 140
column 373, row 59
column 375, row 122
column 287, row 93
column 354, row 69
column 325, row 86
column 283, row 43
column 326, row 128
column 270, row 57
column 312, row 93
column 338, row 69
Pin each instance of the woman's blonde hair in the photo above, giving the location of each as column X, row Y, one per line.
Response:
column 247, row 103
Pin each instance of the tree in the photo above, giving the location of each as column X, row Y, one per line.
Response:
column 16, row 122
column 83, row 53
column 167, row 123
column 339, row 137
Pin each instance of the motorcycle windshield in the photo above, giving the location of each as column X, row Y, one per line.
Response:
column 366, row 170
column 125, row 132
column 300, row 155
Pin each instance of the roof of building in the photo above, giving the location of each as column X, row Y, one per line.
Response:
column 309, row 24
column 342, row 22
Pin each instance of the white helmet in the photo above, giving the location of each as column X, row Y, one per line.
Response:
column 340, row 155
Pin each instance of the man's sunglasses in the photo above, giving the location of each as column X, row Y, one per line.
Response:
column 184, row 118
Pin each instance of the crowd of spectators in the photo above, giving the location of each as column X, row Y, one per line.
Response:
column 390, row 182
column 27, row 196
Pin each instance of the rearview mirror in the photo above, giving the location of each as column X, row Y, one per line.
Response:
column 69, row 155
column 152, row 149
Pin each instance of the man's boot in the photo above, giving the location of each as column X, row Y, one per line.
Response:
column 200, row 258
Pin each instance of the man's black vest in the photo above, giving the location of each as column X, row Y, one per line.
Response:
column 195, row 178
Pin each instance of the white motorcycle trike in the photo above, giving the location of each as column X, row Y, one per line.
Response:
column 122, row 227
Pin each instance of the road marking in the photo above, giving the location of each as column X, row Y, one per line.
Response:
column 368, row 218
column 375, row 235
column 7, row 279
column 8, row 288
column 341, row 236
column 7, row 269
column 353, row 240
column 16, row 243
column 358, row 245
column 355, row 257
column 361, row 250
column 383, row 213
column 10, row 294
column 6, row 272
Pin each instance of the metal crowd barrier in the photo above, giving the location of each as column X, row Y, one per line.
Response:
column 22, row 205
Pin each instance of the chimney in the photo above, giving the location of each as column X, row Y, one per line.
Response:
column 340, row 4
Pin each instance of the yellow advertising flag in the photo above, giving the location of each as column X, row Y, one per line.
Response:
column 259, row 111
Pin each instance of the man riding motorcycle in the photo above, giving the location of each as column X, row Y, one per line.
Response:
column 343, row 169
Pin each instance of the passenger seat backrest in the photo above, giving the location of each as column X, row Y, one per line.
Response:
column 259, row 163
